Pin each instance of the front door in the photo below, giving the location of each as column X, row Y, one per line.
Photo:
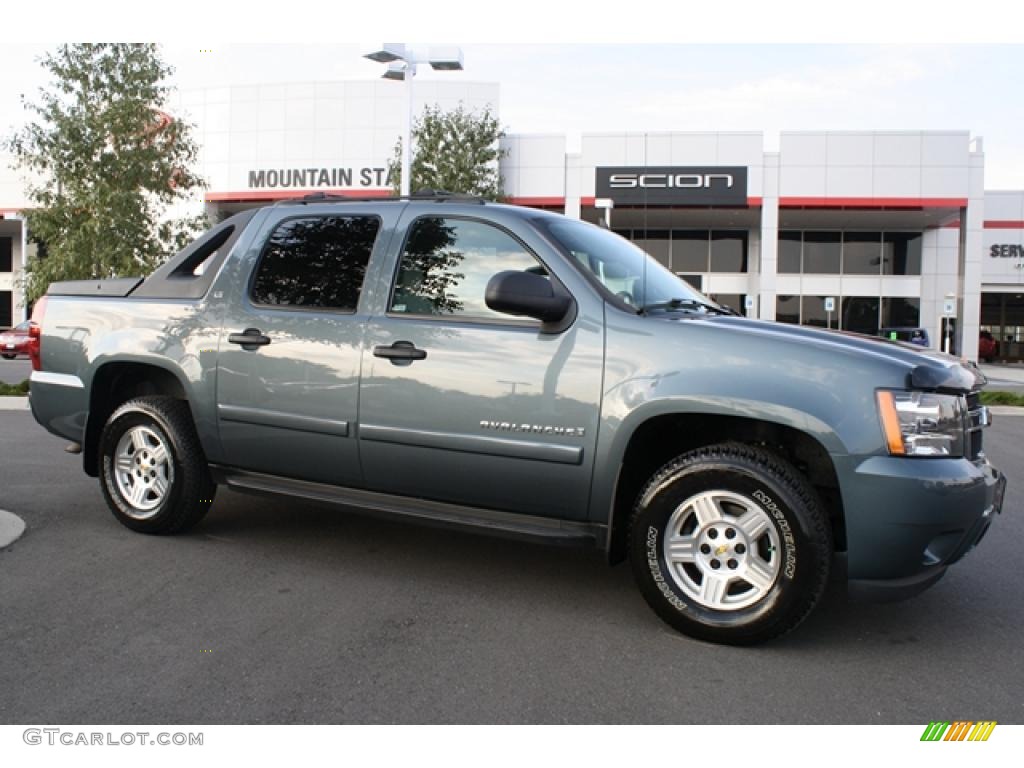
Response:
column 288, row 366
column 462, row 404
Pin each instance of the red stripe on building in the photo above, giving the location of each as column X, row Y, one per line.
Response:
column 257, row 195
column 753, row 202
column 872, row 202
column 1004, row 224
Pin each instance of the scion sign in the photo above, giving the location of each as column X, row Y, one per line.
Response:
column 673, row 185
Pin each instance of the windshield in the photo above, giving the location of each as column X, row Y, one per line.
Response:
column 625, row 270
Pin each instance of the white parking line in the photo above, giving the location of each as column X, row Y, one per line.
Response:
column 13, row 404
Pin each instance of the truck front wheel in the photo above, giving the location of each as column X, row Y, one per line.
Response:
column 730, row 543
column 153, row 473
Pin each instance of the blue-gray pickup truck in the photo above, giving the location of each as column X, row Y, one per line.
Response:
column 525, row 374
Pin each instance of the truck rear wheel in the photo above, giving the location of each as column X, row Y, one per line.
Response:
column 730, row 543
column 153, row 472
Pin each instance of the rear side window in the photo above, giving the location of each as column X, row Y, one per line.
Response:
column 447, row 263
column 317, row 262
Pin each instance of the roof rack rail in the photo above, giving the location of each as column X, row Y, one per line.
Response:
column 428, row 195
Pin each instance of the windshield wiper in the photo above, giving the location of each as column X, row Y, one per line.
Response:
column 686, row 304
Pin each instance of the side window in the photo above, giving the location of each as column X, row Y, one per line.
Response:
column 447, row 263
column 315, row 262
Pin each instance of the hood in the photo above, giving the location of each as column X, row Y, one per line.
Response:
column 925, row 368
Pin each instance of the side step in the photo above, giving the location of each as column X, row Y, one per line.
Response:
column 433, row 513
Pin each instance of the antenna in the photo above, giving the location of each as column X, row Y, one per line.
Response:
column 643, row 302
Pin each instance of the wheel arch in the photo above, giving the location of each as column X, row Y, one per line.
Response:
column 659, row 438
column 115, row 383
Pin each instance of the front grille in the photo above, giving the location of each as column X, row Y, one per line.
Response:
column 977, row 420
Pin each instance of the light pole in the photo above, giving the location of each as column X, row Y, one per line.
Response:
column 402, row 61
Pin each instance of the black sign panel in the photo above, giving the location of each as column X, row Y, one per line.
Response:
column 673, row 185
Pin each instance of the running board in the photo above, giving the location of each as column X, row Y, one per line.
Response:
column 434, row 513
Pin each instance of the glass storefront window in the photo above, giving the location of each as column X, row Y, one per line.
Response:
column 901, row 313
column 812, row 312
column 728, row 251
column 852, row 253
column 697, row 281
column 1002, row 315
column 901, row 253
column 655, row 241
column 690, row 250
column 860, row 314
column 862, row 253
column 789, row 252
column 821, row 253
column 732, row 300
column 787, row 309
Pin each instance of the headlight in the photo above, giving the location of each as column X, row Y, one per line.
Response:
column 922, row 423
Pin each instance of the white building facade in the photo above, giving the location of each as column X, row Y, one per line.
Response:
column 873, row 232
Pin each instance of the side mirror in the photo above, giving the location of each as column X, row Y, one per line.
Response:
column 527, row 294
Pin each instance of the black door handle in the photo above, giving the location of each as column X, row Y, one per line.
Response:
column 400, row 353
column 250, row 338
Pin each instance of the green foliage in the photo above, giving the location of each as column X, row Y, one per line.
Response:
column 102, row 165
column 1001, row 398
column 13, row 390
column 456, row 151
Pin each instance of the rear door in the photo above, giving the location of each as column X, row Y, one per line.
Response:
column 289, row 355
column 462, row 404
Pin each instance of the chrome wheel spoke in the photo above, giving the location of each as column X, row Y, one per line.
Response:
column 124, row 464
column 713, row 589
column 707, row 510
column 158, row 454
column 758, row 574
column 138, row 438
column 754, row 523
column 681, row 549
column 159, row 486
column 138, row 493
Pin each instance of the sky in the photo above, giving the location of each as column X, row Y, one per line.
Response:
column 597, row 86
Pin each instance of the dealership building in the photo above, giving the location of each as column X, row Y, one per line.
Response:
column 856, row 230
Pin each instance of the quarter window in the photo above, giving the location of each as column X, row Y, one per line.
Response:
column 315, row 263
column 447, row 263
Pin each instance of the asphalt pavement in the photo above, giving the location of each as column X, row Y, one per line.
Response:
column 278, row 611
column 15, row 371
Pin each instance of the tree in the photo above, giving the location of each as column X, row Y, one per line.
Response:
column 456, row 151
column 103, row 163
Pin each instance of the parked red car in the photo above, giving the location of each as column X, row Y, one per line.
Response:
column 14, row 342
column 988, row 347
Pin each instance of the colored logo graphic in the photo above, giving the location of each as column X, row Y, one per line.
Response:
column 961, row 730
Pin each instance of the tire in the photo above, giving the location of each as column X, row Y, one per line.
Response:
column 8, row 357
column 750, row 547
column 148, row 489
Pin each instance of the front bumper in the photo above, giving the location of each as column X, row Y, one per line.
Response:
column 908, row 519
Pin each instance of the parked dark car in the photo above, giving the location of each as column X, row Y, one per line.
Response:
column 14, row 342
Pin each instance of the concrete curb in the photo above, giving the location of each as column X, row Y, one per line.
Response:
column 13, row 404
column 11, row 528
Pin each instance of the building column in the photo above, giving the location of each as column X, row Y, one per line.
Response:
column 972, row 224
column 573, row 204
column 769, row 261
